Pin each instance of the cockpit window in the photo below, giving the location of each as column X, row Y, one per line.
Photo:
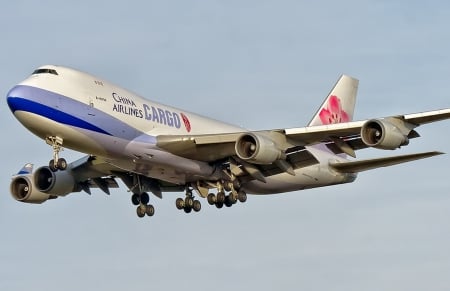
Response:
column 45, row 71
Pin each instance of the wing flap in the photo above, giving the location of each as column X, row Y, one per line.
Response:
column 208, row 147
column 364, row 165
column 316, row 134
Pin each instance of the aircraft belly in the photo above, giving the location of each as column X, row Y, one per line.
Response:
column 145, row 158
column 173, row 172
column 140, row 157
column 74, row 138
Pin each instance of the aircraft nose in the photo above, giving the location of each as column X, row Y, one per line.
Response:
column 15, row 98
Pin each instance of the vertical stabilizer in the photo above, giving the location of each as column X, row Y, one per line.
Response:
column 339, row 105
column 27, row 169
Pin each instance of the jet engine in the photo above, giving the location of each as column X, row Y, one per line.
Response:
column 257, row 149
column 58, row 183
column 23, row 189
column 382, row 134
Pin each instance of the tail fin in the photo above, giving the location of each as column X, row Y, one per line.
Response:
column 339, row 105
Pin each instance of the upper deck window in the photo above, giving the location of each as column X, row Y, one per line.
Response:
column 45, row 71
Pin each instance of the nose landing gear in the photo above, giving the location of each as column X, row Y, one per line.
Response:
column 56, row 163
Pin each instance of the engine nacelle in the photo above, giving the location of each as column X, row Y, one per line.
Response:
column 58, row 183
column 23, row 189
column 382, row 134
column 257, row 149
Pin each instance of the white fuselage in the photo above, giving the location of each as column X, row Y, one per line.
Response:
column 98, row 118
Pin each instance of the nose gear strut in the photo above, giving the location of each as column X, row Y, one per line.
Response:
column 56, row 163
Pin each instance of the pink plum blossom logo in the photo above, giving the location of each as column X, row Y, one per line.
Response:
column 333, row 112
column 186, row 122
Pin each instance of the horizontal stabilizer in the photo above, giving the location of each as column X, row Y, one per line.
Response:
column 364, row 165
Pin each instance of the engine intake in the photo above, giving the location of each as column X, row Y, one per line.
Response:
column 58, row 183
column 382, row 134
column 22, row 189
column 257, row 149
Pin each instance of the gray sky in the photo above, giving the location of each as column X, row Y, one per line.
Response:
column 259, row 64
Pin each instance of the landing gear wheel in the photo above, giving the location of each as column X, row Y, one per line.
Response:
column 56, row 163
column 227, row 186
column 197, row 206
column 61, row 164
column 233, row 198
column 219, row 205
column 150, row 210
column 140, row 211
column 228, row 202
column 220, row 197
column 188, row 202
column 145, row 199
column 242, row 196
column 187, row 209
column 211, row 199
column 135, row 199
column 52, row 166
column 179, row 203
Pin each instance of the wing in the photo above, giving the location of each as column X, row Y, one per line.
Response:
column 97, row 172
column 385, row 133
column 82, row 175
column 310, row 135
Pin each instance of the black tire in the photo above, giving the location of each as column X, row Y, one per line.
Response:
column 61, row 164
column 150, row 210
column 211, row 199
column 179, row 203
column 197, row 206
column 135, row 199
column 52, row 165
column 145, row 198
column 188, row 202
column 140, row 212
column 219, row 205
column 233, row 198
column 242, row 196
column 187, row 209
column 221, row 197
column 228, row 202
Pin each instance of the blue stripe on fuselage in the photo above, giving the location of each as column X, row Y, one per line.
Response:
column 21, row 104
column 71, row 112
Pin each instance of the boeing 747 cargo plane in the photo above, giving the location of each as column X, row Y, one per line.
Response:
column 155, row 148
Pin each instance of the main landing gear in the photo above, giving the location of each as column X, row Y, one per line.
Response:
column 219, row 200
column 56, row 163
column 189, row 203
column 142, row 202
